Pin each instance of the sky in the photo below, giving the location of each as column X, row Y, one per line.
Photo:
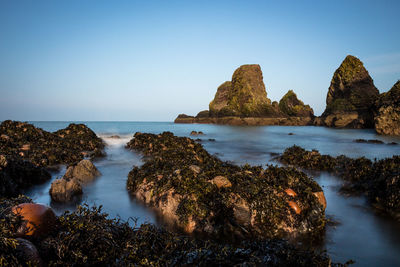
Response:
column 100, row 60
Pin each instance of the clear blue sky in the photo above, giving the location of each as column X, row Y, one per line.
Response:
column 148, row 60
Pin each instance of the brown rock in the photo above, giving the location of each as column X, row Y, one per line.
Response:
column 39, row 220
column 221, row 181
column 84, row 171
column 294, row 207
column 387, row 119
column 194, row 168
column 290, row 192
column 63, row 190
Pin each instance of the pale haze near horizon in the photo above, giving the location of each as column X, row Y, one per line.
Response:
column 150, row 61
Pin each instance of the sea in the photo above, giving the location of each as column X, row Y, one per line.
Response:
column 359, row 233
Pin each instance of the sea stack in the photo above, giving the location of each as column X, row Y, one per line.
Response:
column 387, row 119
column 290, row 105
column 351, row 97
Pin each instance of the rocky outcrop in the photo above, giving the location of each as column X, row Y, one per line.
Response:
column 42, row 148
column 243, row 101
column 387, row 119
column 180, row 178
column 17, row 174
column 351, row 97
column 291, row 106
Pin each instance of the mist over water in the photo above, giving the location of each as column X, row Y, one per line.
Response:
column 369, row 238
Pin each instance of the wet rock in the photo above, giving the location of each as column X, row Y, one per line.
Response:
column 387, row 118
column 115, row 137
column 27, row 252
column 221, row 182
column 351, row 97
column 196, row 133
column 251, row 203
column 371, row 141
column 39, row 220
column 63, row 190
column 84, row 172
column 196, row 169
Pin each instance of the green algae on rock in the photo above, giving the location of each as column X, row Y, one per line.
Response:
column 387, row 118
column 178, row 177
column 292, row 106
column 351, row 96
column 379, row 180
column 88, row 237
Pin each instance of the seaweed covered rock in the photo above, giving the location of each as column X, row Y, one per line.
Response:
column 351, row 96
column 221, row 98
column 292, row 106
column 387, row 119
column 88, row 237
column 379, row 180
column 43, row 148
column 218, row 198
column 17, row 174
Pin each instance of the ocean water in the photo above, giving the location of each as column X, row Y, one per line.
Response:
column 361, row 234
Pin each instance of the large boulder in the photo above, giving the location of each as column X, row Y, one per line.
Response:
column 84, row 171
column 292, row 106
column 387, row 119
column 64, row 190
column 351, row 96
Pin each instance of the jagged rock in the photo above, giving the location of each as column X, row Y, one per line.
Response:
column 351, row 96
column 387, row 119
column 63, row 190
column 84, row 171
column 39, row 220
column 292, row 106
column 203, row 114
column 221, row 98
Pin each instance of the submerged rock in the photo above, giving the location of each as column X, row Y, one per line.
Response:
column 387, row 119
column 250, row 203
column 351, row 97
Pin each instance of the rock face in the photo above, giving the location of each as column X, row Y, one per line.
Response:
column 200, row 193
column 387, row 119
column 351, row 96
column 245, row 95
column 84, row 171
column 292, row 106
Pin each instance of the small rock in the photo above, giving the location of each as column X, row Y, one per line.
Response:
column 26, row 147
column 84, row 171
column 194, row 168
column 63, row 190
column 290, row 133
column 3, row 161
column 27, row 252
column 39, row 219
column 115, row 137
column 221, row 181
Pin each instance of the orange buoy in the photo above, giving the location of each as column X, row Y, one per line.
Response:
column 294, row 207
column 290, row 192
column 39, row 219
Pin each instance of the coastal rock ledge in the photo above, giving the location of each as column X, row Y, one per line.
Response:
column 199, row 193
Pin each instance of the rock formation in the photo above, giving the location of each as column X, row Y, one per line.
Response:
column 84, row 171
column 243, row 101
column 387, row 119
column 292, row 106
column 351, row 97
column 180, row 178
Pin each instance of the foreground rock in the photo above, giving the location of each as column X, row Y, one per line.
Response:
column 387, row 119
column 17, row 174
column 43, row 148
column 84, row 171
column 243, row 101
column 200, row 193
column 88, row 237
column 378, row 180
column 351, row 97
column 65, row 190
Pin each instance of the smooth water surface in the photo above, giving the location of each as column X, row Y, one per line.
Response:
column 361, row 234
